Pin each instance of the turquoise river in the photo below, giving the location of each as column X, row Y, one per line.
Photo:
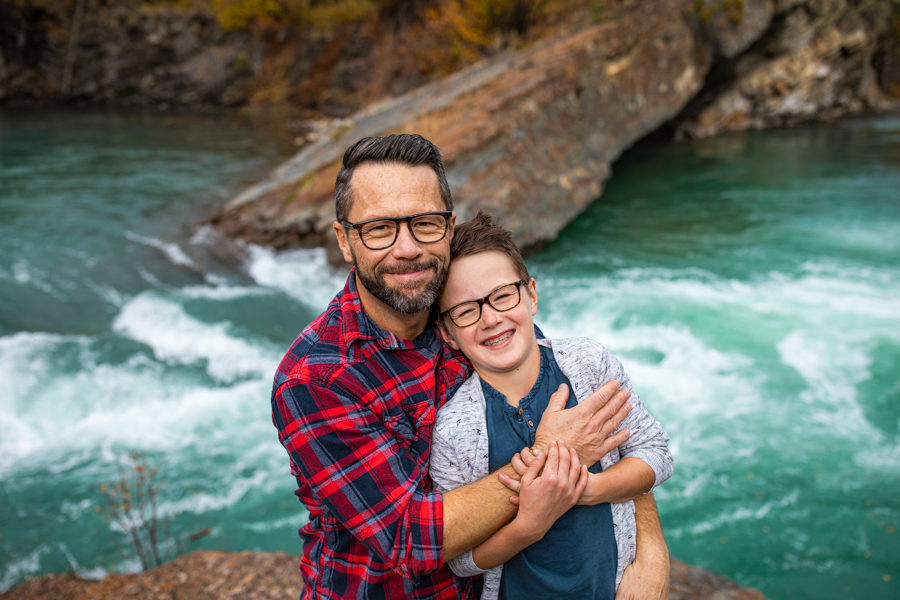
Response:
column 750, row 283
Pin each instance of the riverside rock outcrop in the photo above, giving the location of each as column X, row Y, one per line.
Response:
column 531, row 136
column 528, row 136
column 211, row 575
column 810, row 60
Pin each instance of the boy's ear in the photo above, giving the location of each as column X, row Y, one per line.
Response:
column 445, row 334
column 532, row 292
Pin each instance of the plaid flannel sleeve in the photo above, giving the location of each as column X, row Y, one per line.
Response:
column 364, row 477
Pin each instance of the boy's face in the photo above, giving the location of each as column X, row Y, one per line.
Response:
column 499, row 342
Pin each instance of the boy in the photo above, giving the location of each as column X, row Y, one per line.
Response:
column 485, row 311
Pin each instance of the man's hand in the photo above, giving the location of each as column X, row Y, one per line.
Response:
column 647, row 578
column 644, row 582
column 586, row 427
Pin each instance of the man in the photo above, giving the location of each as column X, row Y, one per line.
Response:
column 354, row 401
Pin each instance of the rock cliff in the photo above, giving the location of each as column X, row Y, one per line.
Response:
column 208, row 575
column 531, row 135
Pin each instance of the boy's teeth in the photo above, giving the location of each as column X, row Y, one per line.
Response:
column 499, row 340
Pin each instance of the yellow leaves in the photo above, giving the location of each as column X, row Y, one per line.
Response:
column 319, row 16
column 239, row 14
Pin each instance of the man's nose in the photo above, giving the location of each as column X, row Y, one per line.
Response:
column 406, row 245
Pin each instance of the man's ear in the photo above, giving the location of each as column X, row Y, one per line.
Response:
column 445, row 334
column 452, row 226
column 343, row 241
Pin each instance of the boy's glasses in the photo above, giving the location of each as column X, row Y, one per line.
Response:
column 378, row 234
column 504, row 298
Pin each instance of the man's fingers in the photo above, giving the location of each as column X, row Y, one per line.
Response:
column 558, row 399
column 614, row 441
column 612, row 413
column 598, row 399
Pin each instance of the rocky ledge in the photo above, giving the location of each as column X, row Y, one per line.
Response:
column 212, row 575
column 531, row 135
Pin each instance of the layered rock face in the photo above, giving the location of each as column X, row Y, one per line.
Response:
column 531, row 136
column 209, row 575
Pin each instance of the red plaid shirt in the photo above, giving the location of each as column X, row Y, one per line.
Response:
column 354, row 406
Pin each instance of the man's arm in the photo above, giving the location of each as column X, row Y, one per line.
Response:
column 647, row 578
column 361, row 474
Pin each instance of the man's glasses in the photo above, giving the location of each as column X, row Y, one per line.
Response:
column 378, row 234
column 504, row 298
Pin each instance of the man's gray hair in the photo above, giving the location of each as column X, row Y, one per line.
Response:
column 404, row 148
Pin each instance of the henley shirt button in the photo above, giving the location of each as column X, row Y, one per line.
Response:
column 530, row 424
column 520, row 411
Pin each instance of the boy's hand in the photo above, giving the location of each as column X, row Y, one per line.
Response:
column 588, row 427
column 545, row 495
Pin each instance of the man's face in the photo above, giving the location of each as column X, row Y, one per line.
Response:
column 407, row 275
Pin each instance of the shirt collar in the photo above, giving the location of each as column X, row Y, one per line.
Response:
column 357, row 325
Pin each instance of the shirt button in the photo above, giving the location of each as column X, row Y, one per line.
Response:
column 520, row 411
column 530, row 424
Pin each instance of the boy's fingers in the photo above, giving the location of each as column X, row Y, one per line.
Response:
column 509, row 482
column 534, row 468
column 565, row 459
column 518, row 464
column 575, row 464
column 582, row 482
column 526, row 455
column 551, row 468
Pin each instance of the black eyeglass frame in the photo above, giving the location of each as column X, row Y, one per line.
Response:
column 486, row 300
column 397, row 221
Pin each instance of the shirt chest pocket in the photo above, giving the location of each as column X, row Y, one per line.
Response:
column 399, row 424
column 411, row 430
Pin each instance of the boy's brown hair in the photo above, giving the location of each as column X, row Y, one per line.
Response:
column 482, row 234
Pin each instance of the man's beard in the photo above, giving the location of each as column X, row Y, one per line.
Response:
column 404, row 298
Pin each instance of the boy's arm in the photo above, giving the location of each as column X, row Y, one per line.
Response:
column 623, row 481
column 545, row 496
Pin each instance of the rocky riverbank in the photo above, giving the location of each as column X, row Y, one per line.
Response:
column 531, row 135
column 210, row 575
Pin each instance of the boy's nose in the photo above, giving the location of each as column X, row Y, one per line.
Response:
column 489, row 316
